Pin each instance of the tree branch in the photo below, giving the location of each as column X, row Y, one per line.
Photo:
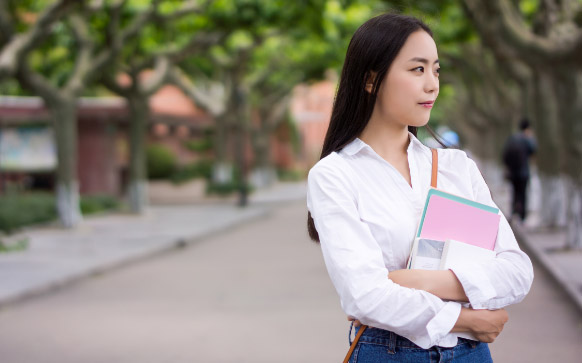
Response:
column 12, row 53
column 158, row 78
column 6, row 23
column 114, row 21
column 106, row 56
column 138, row 24
column 276, row 112
column 502, row 26
column 37, row 83
column 190, row 7
column 83, row 61
column 111, row 84
column 211, row 99
column 198, row 43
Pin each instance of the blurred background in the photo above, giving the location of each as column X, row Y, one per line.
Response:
column 129, row 128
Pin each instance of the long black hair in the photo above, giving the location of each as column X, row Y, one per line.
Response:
column 371, row 52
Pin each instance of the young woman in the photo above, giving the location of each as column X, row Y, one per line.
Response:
column 365, row 198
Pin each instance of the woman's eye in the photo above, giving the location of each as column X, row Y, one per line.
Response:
column 437, row 71
column 418, row 69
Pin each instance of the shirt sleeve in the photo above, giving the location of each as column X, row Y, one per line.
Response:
column 355, row 264
column 507, row 279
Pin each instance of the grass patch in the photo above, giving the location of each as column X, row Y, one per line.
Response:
column 19, row 210
column 20, row 245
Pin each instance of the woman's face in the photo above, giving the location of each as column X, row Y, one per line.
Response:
column 412, row 83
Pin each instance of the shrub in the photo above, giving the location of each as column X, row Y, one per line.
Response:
column 20, row 245
column 199, row 145
column 161, row 162
column 19, row 210
column 199, row 169
column 98, row 203
column 226, row 188
column 290, row 174
column 25, row 209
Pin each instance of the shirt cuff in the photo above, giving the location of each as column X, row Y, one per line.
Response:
column 440, row 325
column 476, row 284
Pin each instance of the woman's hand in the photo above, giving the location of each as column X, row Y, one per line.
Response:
column 356, row 321
column 485, row 325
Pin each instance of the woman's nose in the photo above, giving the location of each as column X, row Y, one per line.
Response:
column 431, row 84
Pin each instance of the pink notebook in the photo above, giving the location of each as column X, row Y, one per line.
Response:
column 450, row 217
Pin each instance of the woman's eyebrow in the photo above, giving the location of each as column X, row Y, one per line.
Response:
column 422, row 60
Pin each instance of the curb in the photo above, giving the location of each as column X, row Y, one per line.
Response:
column 537, row 253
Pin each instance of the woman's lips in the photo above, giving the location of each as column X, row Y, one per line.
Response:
column 427, row 104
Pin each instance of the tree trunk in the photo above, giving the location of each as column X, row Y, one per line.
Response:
column 552, row 211
column 139, row 116
column 574, row 226
column 240, row 128
column 64, row 112
column 546, row 127
column 222, row 169
column 263, row 174
column 569, row 94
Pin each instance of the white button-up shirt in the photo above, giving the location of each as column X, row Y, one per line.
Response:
column 367, row 215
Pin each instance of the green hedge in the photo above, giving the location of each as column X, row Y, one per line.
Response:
column 161, row 162
column 98, row 203
column 20, row 210
column 226, row 188
column 199, row 146
column 199, row 169
column 290, row 174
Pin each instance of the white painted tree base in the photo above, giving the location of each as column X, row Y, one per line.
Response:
column 138, row 196
column 553, row 201
column 68, row 204
column 222, row 173
column 263, row 177
column 574, row 226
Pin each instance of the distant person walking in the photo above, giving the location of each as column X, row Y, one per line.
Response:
column 516, row 153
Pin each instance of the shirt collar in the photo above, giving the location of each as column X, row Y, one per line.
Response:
column 357, row 145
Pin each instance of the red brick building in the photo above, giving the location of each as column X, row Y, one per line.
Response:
column 102, row 138
column 103, row 149
column 311, row 108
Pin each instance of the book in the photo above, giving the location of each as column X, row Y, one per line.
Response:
column 426, row 254
column 430, row 254
column 454, row 231
column 457, row 253
column 447, row 216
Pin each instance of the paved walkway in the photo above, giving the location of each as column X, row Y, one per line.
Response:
column 255, row 293
column 56, row 257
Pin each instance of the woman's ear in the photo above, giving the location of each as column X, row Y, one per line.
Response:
column 370, row 78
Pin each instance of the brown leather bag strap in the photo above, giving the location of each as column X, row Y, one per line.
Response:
column 433, row 183
column 354, row 343
column 435, row 167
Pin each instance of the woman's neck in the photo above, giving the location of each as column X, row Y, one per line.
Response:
column 388, row 141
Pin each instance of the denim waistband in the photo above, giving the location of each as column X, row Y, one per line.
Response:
column 386, row 337
column 393, row 340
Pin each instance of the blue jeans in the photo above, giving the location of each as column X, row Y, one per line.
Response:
column 378, row 346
